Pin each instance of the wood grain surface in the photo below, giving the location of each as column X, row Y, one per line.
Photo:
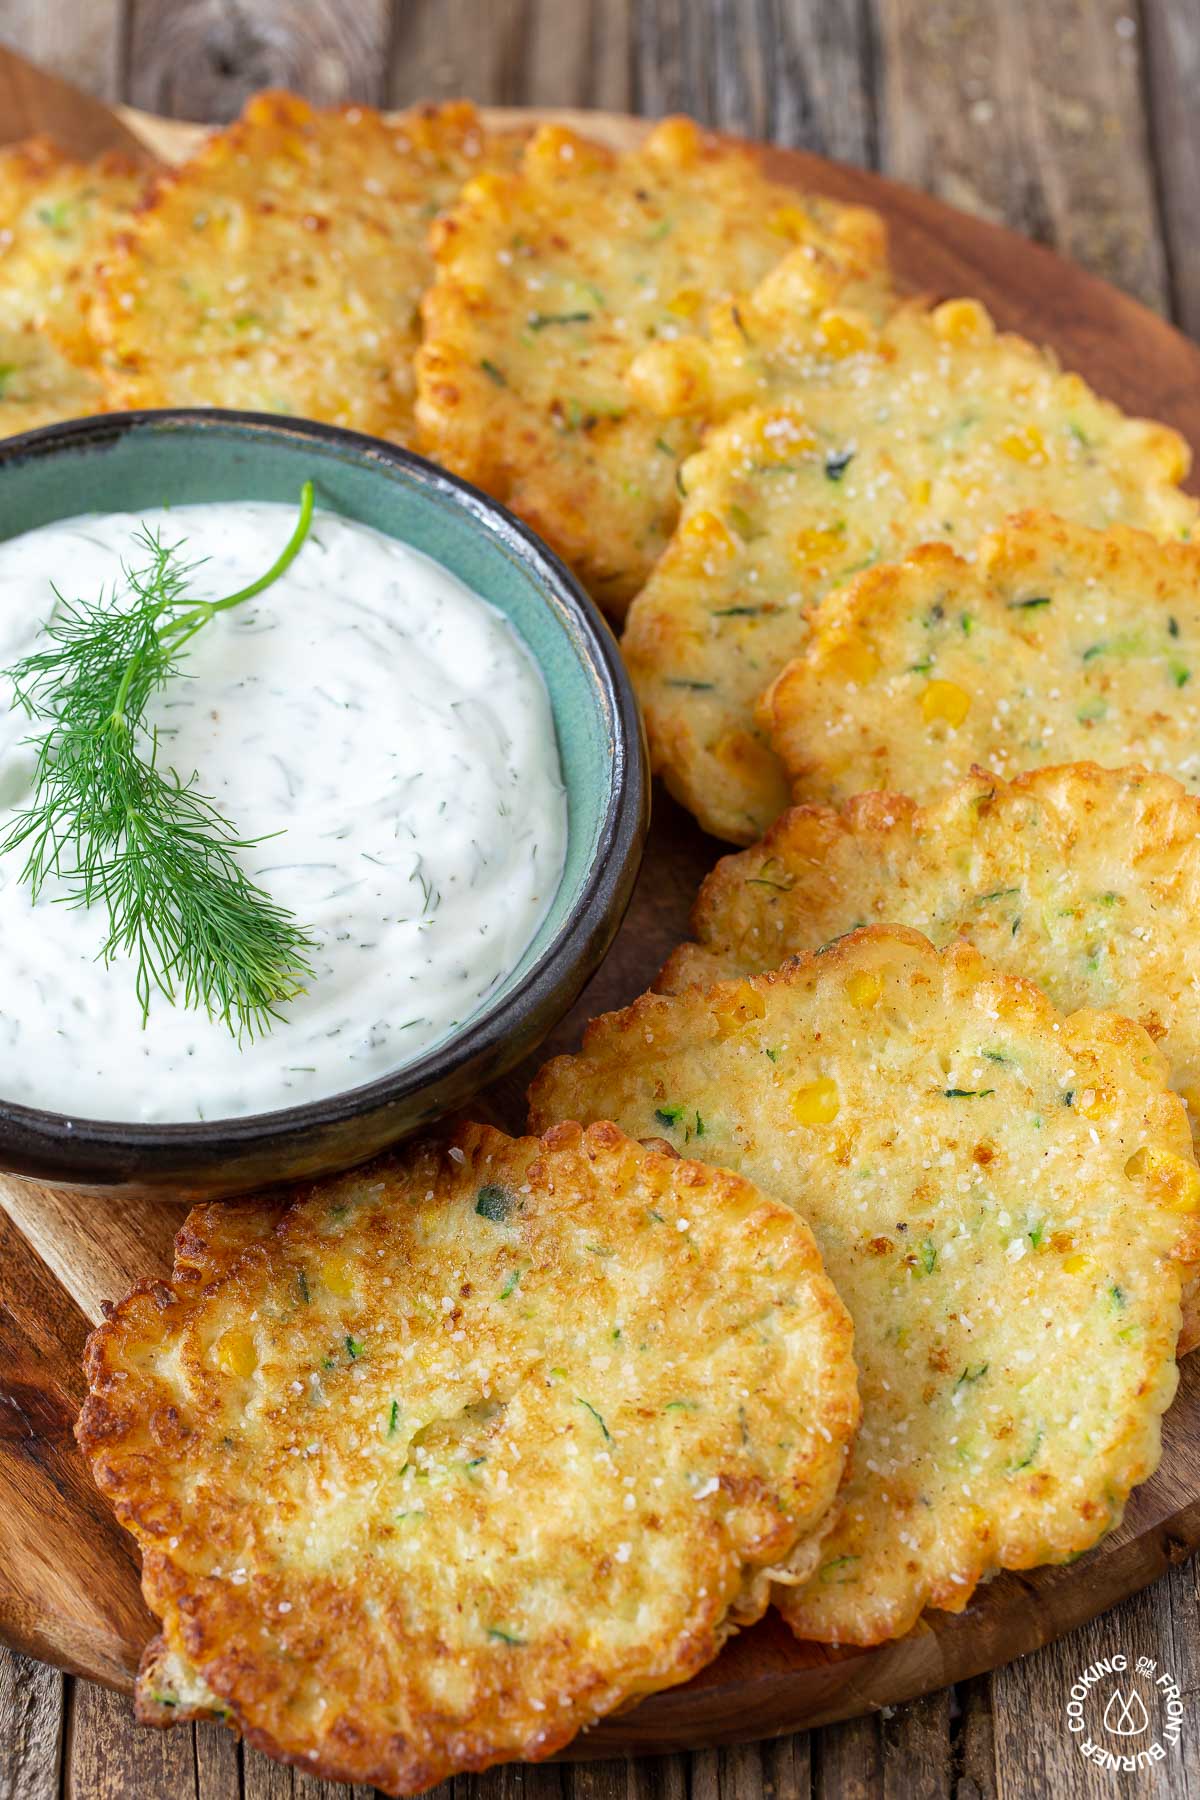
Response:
column 1073, row 121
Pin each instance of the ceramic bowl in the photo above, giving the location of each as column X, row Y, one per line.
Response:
column 128, row 461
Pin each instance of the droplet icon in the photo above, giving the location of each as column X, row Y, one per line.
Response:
column 1126, row 1715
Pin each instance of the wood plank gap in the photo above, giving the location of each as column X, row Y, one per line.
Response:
column 1170, row 36
column 391, row 47
column 872, row 81
column 513, row 39
column 1139, row 15
column 972, row 1741
column 124, row 51
column 70, row 1690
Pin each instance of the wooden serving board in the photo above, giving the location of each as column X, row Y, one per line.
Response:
column 68, row 1577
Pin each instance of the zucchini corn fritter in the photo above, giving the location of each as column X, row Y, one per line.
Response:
column 1057, row 643
column 447, row 1458
column 1085, row 880
column 1005, row 1198
column 281, row 268
column 551, row 278
column 928, row 427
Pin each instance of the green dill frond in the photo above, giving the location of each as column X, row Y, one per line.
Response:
column 120, row 832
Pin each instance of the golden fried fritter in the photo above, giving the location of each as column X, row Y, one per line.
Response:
column 1057, row 643
column 932, row 427
column 549, row 282
column 451, row 1456
column 1005, row 1198
column 281, row 269
column 56, row 216
column 1085, row 880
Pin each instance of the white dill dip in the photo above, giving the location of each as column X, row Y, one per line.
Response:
column 388, row 723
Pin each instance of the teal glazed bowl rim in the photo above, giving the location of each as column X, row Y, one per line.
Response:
column 207, row 1159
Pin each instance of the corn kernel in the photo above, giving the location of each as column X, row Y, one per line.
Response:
column 675, row 141
column 852, row 660
column 962, row 322
column 803, row 282
column 843, row 334
column 779, row 436
column 738, row 751
column 292, row 146
column 275, row 108
column 1173, row 1181
column 864, row 988
column 552, row 141
column 945, row 700
column 1026, row 445
column 976, row 1521
column 485, row 189
column 1177, row 460
column 861, row 228
column 707, row 530
column 555, row 147
column 1079, row 1264
column 738, row 1008
column 790, row 221
column 671, row 379
column 235, row 1353
column 1171, row 452
column 816, row 1104
column 816, row 544
column 686, row 303
column 338, row 1276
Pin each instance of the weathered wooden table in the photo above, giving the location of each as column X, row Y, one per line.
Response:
column 1075, row 121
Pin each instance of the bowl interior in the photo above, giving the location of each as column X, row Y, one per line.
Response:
column 107, row 466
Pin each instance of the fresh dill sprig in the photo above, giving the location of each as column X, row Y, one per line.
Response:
column 121, row 832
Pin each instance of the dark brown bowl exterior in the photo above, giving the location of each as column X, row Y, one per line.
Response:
column 213, row 1159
